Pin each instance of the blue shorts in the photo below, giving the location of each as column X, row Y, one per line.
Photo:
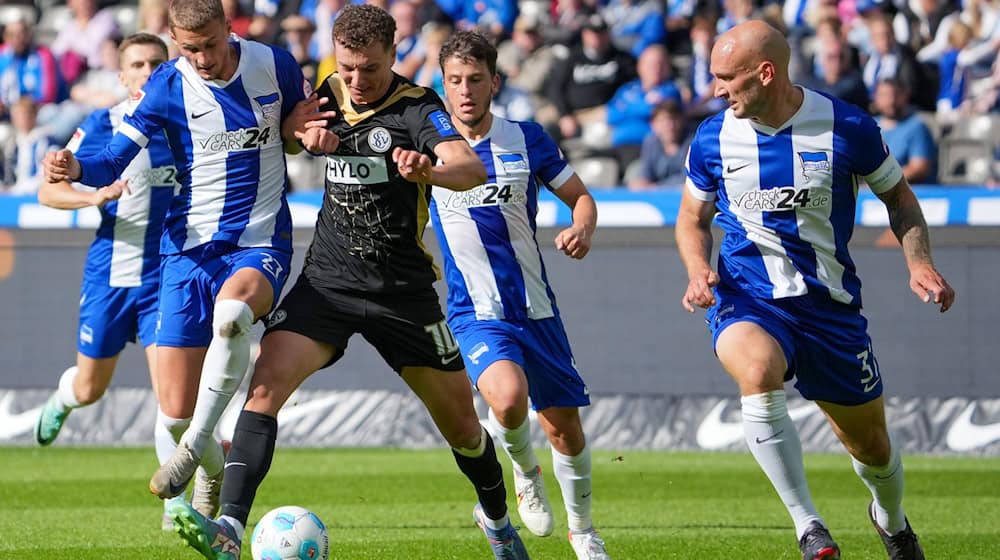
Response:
column 826, row 344
column 539, row 346
column 110, row 317
column 190, row 281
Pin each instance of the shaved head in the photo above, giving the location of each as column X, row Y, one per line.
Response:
column 750, row 65
column 750, row 43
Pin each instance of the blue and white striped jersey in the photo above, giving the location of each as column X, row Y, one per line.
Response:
column 492, row 263
column 786, row 198
column 226, row 143
column 126, row 251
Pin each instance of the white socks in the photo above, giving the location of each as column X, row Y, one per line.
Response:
column 225, row 365
column 886, row 485
column 774, row 443
column 65, row 394
column 573, row 474
column 167, row 433
column 516, row 442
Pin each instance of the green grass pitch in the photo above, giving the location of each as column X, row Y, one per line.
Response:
column 92, row 503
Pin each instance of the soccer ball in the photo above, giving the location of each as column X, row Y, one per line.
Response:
column 290, row 533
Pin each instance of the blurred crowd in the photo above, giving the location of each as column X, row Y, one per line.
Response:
column 621, row 84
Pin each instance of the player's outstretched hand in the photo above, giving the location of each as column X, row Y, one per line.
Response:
column 699, row 291
column 305, row 116
column 114, row 191
column 318, row 140
column 931, row 287
column 61, row 166
column 413, row 166
column 574, row 241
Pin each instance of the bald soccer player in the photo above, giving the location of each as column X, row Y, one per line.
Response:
column 780, row 166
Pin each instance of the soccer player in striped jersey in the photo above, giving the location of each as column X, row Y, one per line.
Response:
column 780, row 168
column 121, row 281
column 368, row 272
column 500, row 305
column 229, row 108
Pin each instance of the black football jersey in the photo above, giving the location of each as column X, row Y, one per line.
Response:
column 369, row 232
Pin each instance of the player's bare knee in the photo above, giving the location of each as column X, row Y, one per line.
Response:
column 874, row 450
column 463, row 433
column 231, row 318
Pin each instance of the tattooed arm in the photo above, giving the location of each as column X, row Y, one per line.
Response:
column 907, row 222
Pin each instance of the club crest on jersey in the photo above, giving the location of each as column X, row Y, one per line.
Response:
column 268, row 105
column 513, row 162
column 814, row 161
column 379, row 140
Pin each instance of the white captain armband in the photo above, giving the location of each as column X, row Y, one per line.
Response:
column 885, row 176
column 704, row 196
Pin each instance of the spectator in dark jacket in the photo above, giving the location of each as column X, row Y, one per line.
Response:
column 837, row 77
column 583, row 83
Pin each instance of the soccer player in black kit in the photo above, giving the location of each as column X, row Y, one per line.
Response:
column 367, row 272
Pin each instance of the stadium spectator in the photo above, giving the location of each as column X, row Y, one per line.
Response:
column 699, row 93
column 100, row 88
column 513, row 103
column 951, row 93
column 631, row 107
column 908, row 138
column 27, row 69
column 837, row 76
column 78, row 44
column 152, row 18
column 519, row 342
column 734, row 12
column 239, row 20
column 526, row 62
column 889, row 59
column 495, row 17
column 299, row 32
column 322, row 13
column 919, row 23
column 678, row 20
column 368, row 272
column 429, row 74
column 635, row 24
column 588, row 78
column 776, row 316
column 227, row 248
column 664, row 150
column 121, row 277
column 30, row 144
column 410, row 49
column 568, row 18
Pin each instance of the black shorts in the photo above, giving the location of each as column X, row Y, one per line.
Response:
column 407, row 330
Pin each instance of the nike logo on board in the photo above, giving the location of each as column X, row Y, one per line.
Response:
column 965, row 435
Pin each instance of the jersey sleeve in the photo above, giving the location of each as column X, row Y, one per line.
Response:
column 870, row 156
column 146, row 119
column 430, row 124
column 93, row 134
column 291, row 82
column 546, row 161
column 699, row 182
